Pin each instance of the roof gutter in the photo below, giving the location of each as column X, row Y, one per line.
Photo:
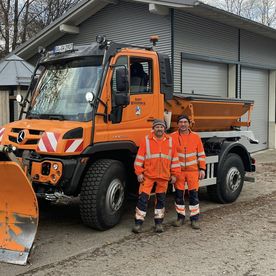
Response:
column 171, row 4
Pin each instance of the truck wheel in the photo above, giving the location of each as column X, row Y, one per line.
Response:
column 102, row 194
column 229, row 181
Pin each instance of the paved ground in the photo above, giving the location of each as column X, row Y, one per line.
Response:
column 236, row 239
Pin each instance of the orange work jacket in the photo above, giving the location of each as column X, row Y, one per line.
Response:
column 157, row 158
column 190, row 151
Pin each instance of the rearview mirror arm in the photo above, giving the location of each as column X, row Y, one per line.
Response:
column 105, row 115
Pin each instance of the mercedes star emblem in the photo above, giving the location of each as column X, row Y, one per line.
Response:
column 21, row 137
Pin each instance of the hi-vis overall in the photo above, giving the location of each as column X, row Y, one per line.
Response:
column 192, row 158
column 157, row 160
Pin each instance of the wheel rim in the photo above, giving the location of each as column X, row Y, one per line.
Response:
column 115, row 195
column 233, row 179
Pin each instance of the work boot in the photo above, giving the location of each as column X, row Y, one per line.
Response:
column 194, row 224
column 177, row 223
column 159, row 228
column 137, row 228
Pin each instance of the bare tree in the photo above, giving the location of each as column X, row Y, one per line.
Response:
column 15, row 24
column 263, row 11
column 267, row 12
column 249, row 10
column 20, row 20
column 4, row 27
column 234, row 6
column 25, row 20
column 46, row 11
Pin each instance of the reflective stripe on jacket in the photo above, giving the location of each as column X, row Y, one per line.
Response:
column 190, row 151
column 157, row 158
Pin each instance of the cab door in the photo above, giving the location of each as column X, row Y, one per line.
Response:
column 145, row 101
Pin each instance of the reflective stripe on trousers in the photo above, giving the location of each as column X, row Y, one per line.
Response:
column 142, row 204
column 141, row 208
column 193, row 204
column 159, row 211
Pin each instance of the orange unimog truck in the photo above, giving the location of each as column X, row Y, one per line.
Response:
column 86, row 111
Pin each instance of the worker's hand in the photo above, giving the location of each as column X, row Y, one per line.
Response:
column 201, row 174
column 173, row 179
column 140, row 178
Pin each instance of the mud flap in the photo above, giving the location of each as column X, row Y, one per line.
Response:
column 18, row 212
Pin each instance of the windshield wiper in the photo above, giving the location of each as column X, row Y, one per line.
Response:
column 52, row 117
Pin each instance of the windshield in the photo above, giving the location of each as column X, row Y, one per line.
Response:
column 61, row 91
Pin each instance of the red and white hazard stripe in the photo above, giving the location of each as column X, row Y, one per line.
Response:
column 74, row 145
column 48, row 142
column 1, row 133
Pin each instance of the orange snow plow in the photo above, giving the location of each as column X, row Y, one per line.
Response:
column 18, row 210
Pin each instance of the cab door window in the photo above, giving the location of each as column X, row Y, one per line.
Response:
column 140, row 75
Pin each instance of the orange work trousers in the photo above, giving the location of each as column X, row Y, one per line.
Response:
column 189, row 177
column 147, row 185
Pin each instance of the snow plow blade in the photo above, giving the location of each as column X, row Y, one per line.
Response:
column 18, row 210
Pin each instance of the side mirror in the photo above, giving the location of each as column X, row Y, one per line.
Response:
column 121, row 80
column 121, row 99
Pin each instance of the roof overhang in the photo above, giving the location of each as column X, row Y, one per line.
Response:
column 51, row 33
column 200, row 9
column 88, row 8
column 206, row 11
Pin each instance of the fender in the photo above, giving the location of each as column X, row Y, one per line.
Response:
column 93, row 149
column 109, row 146
column 239, row 149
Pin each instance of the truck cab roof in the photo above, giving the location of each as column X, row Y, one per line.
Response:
column 72, row 51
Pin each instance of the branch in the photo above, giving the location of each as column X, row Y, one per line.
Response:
column 26, row 2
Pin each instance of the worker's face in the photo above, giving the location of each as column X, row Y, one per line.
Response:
column 183, row 125
column 159, row 131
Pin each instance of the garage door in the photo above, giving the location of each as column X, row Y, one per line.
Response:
column 254, row 86
column 204, row 78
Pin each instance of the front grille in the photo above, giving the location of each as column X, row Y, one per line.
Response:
column 31, row 131
column 35, row 132
column 12, row 139
column 16, row 130
column 32, row 142
column 36, row 135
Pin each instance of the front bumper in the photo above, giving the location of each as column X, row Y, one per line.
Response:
column 46, row 178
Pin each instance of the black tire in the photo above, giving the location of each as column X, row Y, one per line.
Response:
column 102, row 194
column 229, row 180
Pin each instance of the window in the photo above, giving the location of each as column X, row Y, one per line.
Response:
column 140, row 75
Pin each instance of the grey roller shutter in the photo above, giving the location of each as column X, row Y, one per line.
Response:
column 204, row 78
column 254, row 86
column 256, row 49
column 200, row 36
